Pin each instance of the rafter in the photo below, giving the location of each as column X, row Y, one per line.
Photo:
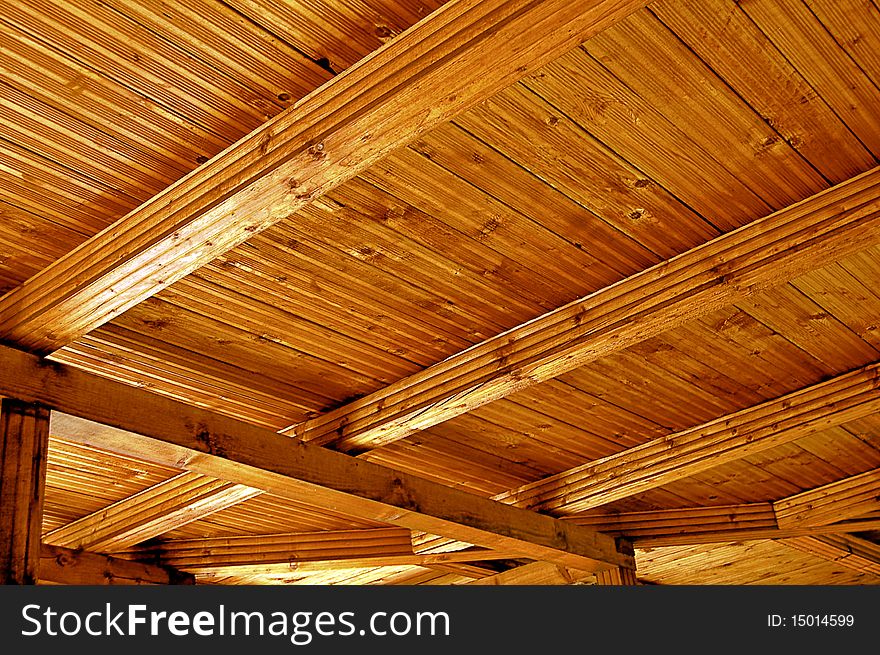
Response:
column 302, row 552
column 228, row 449
column 706, row 525
column 535, row 573
column 844, row 549
column 171, row 504
column 666, row 459
column 66, row 566
column 461, row 54
column 765, row 253
column 845, row 499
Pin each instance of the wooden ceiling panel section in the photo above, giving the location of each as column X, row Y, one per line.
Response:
column 561, row 287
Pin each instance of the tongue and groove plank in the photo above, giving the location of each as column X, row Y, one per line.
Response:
column 758, row 256
column 209, row 444
column 422, row 78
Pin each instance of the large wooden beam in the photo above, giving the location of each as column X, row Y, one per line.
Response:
column 76, row 567
column 461, row 54
column 24, row 440
column 616, row 578
column 228, row 449
column 165, row 506
column 768, row 252
column 838, row 501
column 666, row 459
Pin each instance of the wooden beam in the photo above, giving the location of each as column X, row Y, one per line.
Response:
column 844, row 549
column 617, row 577
column 464, row 52
column 203, row 442
column 838, row 501
column 707, row 525
column 76, row 567
column 535, row 573
column 24, row 441
column 763, row 254
column 666, row 459
column 165, row 506
column 302, row 552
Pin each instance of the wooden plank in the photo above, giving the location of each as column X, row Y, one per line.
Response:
column 681, row 454
column 66, row 566
column 847, row 550
column 427, row 75
column 845, row 499
column 24, row 440
column 203, row 442
column 165, row 506
column 758, row 256
column 536, row 573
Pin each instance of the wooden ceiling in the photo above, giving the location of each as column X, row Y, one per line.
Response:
column 538, row 294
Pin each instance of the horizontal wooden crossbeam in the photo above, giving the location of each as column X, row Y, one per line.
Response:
column 66, row 566
column 228, row 449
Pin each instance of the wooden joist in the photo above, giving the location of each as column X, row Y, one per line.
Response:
column 844, row 549
column 163, row 507
column 24, row 440
column 301, row 552
column 666, row 459
column 461, row 54
column 707, row 525
column 203, row 442
column 66, row 566
column 535, row 573
column 838, row 501
column 763, row 254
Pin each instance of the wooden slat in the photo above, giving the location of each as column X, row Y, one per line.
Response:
column 682, row 454
column 24, row 440
column 838, row 501
column 66, row 566
column 168, row 505
column 536, row 573
column 844, row 549
column 760, row 255
column 203, row 442
column 427, row 75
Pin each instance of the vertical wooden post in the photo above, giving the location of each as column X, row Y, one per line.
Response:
column 24, row 440
column 617, row 576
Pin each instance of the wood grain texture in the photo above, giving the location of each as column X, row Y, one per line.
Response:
column 24, row 440
column 66, row 566
column 432, row 72
column 166, row 506
column 763, row 254
column 844, row 549
column 679, row 455
column 536, row 573
column 203, row 442
column 845, row 499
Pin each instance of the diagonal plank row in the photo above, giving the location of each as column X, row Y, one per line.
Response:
column 203, row 442
column 766, row 253
column 464, row 52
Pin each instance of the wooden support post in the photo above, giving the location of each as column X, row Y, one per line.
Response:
column 617, row 576
column 24, row 439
